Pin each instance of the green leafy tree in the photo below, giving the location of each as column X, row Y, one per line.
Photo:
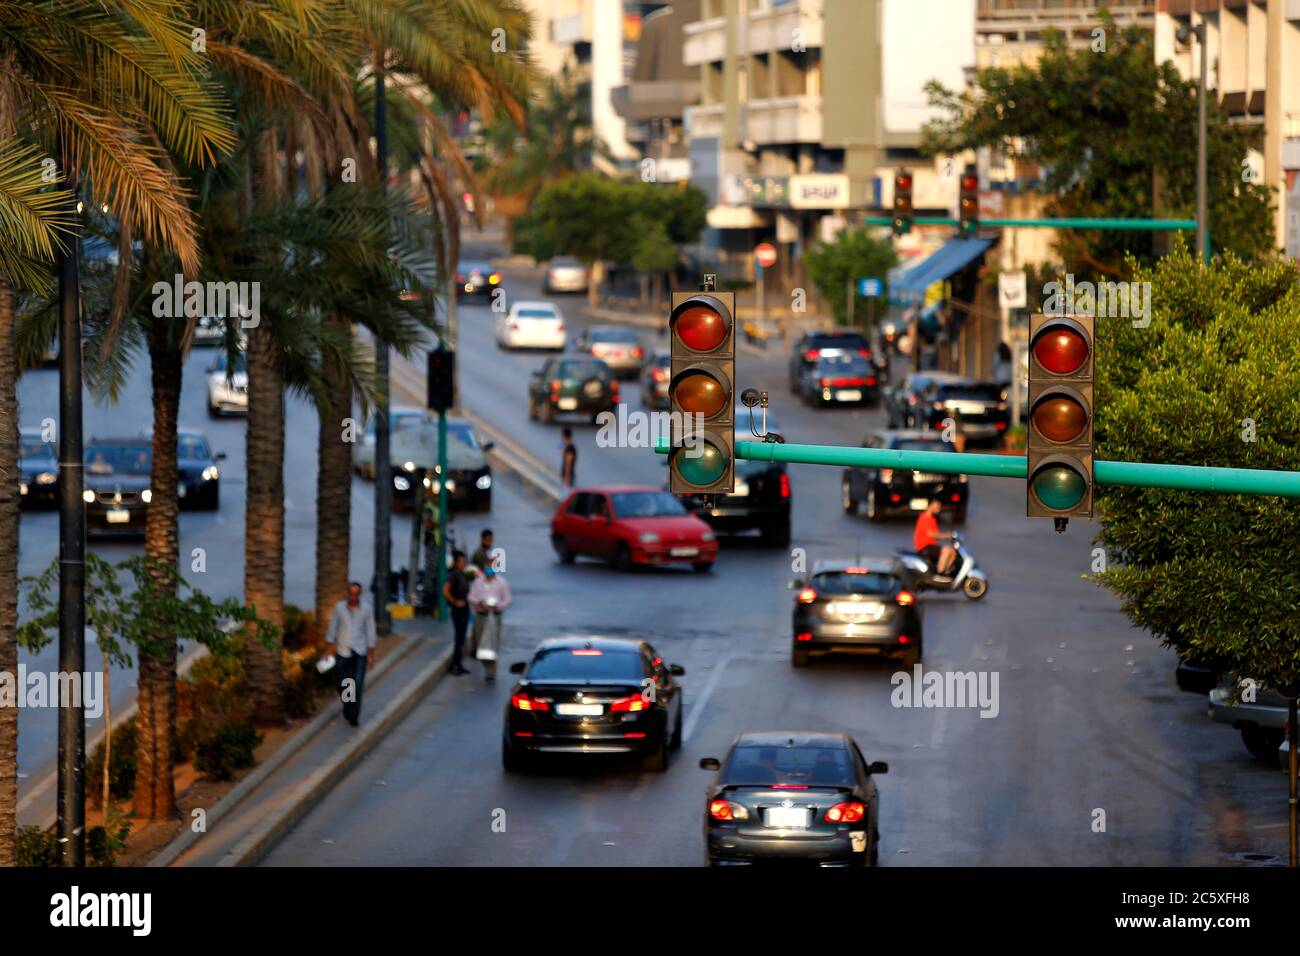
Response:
column 853, row 255
column 1114, row 134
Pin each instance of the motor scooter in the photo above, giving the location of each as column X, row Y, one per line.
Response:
column 965, row 576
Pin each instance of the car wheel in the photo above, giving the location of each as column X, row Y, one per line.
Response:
column 623, row 557
column 799, row 657
column 512, row 762
column 847, row 501
column 702, row 567
column 657, row 760
column 676, row 742
column 873, row 509
column 214, row 500
column 1262, row 742
column 562, row 549
column 975, row 588
column 912, row 656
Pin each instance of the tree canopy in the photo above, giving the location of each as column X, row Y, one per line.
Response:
column 853, row 255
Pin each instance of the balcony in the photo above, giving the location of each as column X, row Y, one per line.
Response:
column 704, row 41
column 775, row 28
column 784, row 119
column 704, row 122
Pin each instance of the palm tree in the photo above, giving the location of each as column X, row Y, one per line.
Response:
column 98, row 84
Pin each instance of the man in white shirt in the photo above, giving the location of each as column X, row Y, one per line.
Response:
column 352, row 639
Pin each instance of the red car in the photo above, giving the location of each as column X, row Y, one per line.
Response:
column 630, row 526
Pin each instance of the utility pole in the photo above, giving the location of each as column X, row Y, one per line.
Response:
column 383, row 464
column 72, row 552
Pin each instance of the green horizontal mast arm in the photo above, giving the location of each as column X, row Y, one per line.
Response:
column 1146, row 225
column 1239, row 481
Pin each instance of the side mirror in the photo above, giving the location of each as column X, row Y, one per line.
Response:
column 677, row 670
column 878, row 766
column 710, row 763
column 489, row 445
column 518, row 667
column 219, row 456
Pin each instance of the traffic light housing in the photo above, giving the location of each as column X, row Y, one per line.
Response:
column 1059, row 439
column 440, row 380
column 968, row 205
column 902, row 202
column 702, row 330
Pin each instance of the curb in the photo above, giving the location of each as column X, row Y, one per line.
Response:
column 271, row 830
column 187, row 838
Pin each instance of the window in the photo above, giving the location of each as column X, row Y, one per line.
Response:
column 797, row 766
column 192, row 446
column 599, row 507
column 844, row 583
column 562, row 663
column 580, row 506
column 582, row 370
column 647, row 504
column 127, row 459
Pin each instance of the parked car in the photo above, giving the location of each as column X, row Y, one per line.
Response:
column 617, row 347
column 793, row 795
column 593, row 695
column 117, row 492
column 531, row 325
column 841, row 378
column 812, row 345
column 476, row 277
column 399, row 417
column 572, row 384
column 469, row 476
column 925, row 400
column 565, row 274
column 654, row 380
column 209, row 330
column 631, row 526
column 883, row 492
column 860, row 607
column 1262, row 722
column 227, row 385
column 38, row 470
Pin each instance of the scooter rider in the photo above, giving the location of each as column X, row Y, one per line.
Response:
column 926, row 538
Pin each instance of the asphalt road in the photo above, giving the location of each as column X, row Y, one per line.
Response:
column 1094, row 757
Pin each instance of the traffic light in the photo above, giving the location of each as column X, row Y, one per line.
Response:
column 700, row 391
column 902, row 202
column 1059, row 443
column 440, row 379
column 968, row 205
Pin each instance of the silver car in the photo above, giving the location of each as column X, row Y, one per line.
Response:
column 617, row 347
column 227, row 385
column 399, row 418
column 565, row 274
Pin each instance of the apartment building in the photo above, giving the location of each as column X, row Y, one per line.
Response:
column 1253, row 53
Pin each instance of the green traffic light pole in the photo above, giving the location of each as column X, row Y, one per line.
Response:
column 1235, row 481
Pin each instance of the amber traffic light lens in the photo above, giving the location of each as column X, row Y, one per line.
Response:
column 1060, row 350
column 700, row 394
column 700, row 328
column 1060, row 419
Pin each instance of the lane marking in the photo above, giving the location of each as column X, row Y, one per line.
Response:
column 940, row 725
column 693, row 718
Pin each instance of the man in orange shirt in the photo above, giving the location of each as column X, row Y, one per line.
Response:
column 926, row 537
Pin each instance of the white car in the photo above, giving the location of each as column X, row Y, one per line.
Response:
column 566, row 274
column 227, row 385
column 399, row 417
column 531, row 325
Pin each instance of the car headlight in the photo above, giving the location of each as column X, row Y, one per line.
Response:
column 427, row 482
column 707, row 536
column 146, row 496
column 484, row 482
column 22, row 488
column 408, row 466
column 87, row 496
column 46, row 478
column 649, row 537
column 451, row 486
column 210, row 473
column 401, row 483
column 962, row 479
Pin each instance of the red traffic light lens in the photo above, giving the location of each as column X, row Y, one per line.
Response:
column 700, row 328
column 970, row 184
column 903, row 183
column 1059, row 418
column 1060, row 349
column 699, row 393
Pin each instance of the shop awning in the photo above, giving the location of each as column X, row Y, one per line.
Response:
column 947, row 260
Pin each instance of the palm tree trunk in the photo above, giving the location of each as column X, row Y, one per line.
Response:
column 155, row 793
column 264, row 521
column 8, row 568
column 333, row 496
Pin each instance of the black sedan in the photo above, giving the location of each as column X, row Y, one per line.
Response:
column 469, row 476
column 929, row 400
column 844, row 378
column 654, row 380
column 38, row 466
column 882, row 492
column 793, row 795
column 855, row 607
column 117, row 492
column 476, row 278
column 572, row 385
column 198, row 476
column 813, row 345
column 593, row 695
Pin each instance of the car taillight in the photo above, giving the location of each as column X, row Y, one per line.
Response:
column 1001, row 426
column 629, row 705
column 955, row 497
column 726, row 810
column 586, row 652
column 865, row 353
column 826, row 383
column 846, row 813
column 938, row 426
column 871, row 381
column 785, row 485
column 807, row 596
column 812, row 355
column 904, row 639
column 637, row 352
column 905, row 598
column 804, row 637
column 555, row 389
column 526, row 701
column 659, row 374
column 494, row 278
column 613, row 391
column 886, row 475
column 514, row 326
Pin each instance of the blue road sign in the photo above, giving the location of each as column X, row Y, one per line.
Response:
column 869, row 288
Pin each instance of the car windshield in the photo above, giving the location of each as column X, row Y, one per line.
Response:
column 223, row 362
column 537, row 314
column 462, row 434
column 472, row 268
column 120, row 459
column 970, row 393
column 35, row 448
column 587, row 664
column 565, row 263
column 842, row 364
column 400, row 420
column 789, row 766
column 192, row 446
column 582, row 370
column 647, row 504
column 613, row 335
column 917, row 444
column 855, row 582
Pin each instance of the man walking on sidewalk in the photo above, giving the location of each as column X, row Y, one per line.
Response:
column 352, row 639
column 569, row 463
column 456, row 591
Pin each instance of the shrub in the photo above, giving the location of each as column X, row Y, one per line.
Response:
column 299, row 628
column 36, row 847
column 121, row 772
column 214, row 695
column 104, row 843
column 304, row 687
column 228, row 749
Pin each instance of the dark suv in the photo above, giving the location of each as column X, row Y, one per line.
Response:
column 572, row 385
column 117, row 491
column 813, row 345
column 925, row 400
column 889, row 491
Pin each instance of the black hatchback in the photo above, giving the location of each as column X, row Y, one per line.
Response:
column 882, row 492
column 793, row 795
column 593, row 695
column 857, row 607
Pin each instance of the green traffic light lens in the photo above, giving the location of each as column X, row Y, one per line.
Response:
column 704, row 469
column 1059, row 487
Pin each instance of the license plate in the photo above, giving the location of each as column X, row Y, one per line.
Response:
column 180, row 491
column 970, row 409
column 568, row 404
column 788, row 817
column 118, row 516
column 684, row 552
column 848, row 395
column 856, row 612
column 742, row 488
column 918, row 504
column 579, row 710
column 924, row 476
